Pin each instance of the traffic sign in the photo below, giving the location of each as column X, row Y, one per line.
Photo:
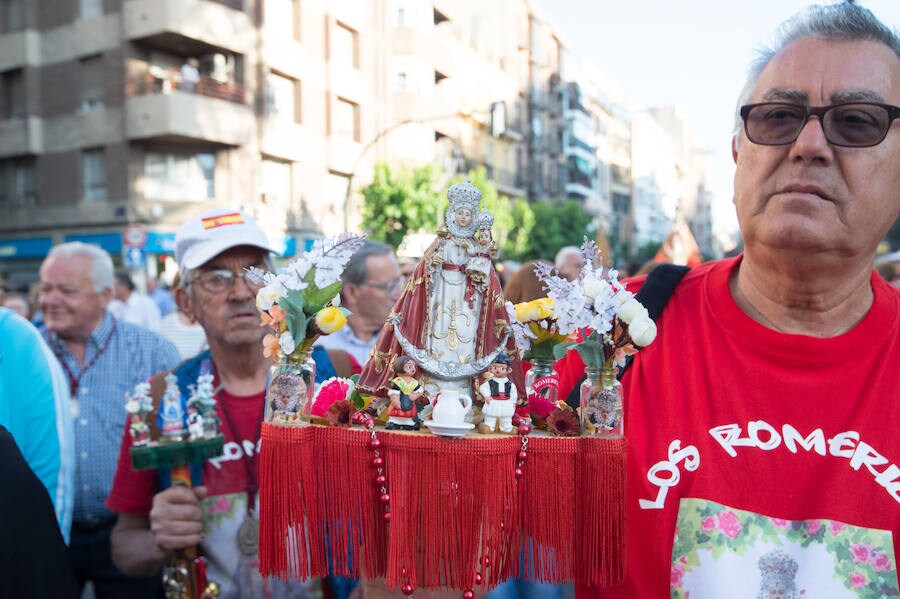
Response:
column 134, row 236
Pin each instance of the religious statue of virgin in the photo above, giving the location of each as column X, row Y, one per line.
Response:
column 450, row 318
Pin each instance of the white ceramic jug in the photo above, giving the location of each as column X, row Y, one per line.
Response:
column 450, row 408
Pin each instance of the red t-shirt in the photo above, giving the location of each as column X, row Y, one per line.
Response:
column 757, row 458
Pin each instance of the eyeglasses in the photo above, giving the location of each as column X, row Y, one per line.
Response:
column 220, row 280
column 390, row 286
column 855, row 125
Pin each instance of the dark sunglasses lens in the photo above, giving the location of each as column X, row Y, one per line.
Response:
column 774, row 124
column 856, row 125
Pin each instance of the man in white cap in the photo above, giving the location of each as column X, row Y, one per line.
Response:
column 213, row 251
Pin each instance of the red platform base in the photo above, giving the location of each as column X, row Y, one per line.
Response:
column 456, row 508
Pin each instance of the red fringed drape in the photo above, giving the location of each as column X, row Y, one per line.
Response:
column 456, row 508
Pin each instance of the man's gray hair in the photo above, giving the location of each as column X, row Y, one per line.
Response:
column 101, row 264
column 356, row 272
column 843, row 22
column 563, row 253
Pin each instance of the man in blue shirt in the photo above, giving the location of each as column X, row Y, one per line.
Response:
column 103, row 359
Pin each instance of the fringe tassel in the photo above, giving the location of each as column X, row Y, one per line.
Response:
column 600, row 546
column 456, row 508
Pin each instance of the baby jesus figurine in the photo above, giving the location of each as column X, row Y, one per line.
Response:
column 404, row 392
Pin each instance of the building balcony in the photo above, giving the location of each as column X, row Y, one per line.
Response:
column 19, row 49
column 167, row 113
column 188, row 27
column 580, row 190
column 577, row 147
column 21, row 136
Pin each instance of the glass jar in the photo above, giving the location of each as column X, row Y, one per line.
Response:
column 601, row 404
column 290, row 388
column 541, row 388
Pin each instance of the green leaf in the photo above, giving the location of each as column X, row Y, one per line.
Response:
column 314, row 299
column 355, row 398
column 560, row 349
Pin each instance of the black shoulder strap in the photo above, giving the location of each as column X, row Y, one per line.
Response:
column 654, row 294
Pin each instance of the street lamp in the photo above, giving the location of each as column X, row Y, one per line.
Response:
column 457, row 154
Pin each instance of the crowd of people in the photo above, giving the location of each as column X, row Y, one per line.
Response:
column 768, row 400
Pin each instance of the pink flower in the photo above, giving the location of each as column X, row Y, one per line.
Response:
column 857, row 580
column 219, row 505
column 729, row 524
column 779, row 523
column 860, row 552
column 880, row 562
column 707, row 524
column 677, row 575
column 835, row 528
column 812, row 527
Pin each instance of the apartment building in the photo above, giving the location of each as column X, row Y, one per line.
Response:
column 144, row 112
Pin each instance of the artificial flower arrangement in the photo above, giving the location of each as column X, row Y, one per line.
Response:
column 298, row 303
column 536, row 333
column 534, row 328
column 609, row 324
column 609, row 321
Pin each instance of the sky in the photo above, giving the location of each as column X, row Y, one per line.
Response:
column 689, row 53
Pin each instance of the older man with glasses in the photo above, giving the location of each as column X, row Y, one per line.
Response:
column 213, row 251
column 102, row 359
column 372, row 284
column 765, row 413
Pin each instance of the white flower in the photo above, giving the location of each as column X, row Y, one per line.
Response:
column 593, row 285
column 269, row 295
column 286, row 343
column 642, row 331
column 631, row 310
column 623, row 296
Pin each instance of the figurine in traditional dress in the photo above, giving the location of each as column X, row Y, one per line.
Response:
column 405, row 392
column 450, row 320
column 500, row 396
column 211, row 423
column 194, row 422
column 138, row 430
column 171, row 412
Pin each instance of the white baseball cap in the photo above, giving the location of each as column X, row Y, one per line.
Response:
column 204, row 237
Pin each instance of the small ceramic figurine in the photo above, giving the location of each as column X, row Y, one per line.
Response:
column 171, row 412
column 404, row 392
column 138, row 429
column 499, row 396
column 211, row 423
column 195, row 423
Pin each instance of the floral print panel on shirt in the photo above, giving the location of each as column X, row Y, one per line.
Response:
column 721, row 551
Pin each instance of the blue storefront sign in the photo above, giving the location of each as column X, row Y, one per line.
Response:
column 111, row 242
column 32, row 247
column 160, row 243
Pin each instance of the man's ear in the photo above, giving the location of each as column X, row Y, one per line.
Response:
column 734, row 148
column 184, row 302
column 350, row 293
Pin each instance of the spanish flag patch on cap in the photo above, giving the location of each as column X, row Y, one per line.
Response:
column 212, row 222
